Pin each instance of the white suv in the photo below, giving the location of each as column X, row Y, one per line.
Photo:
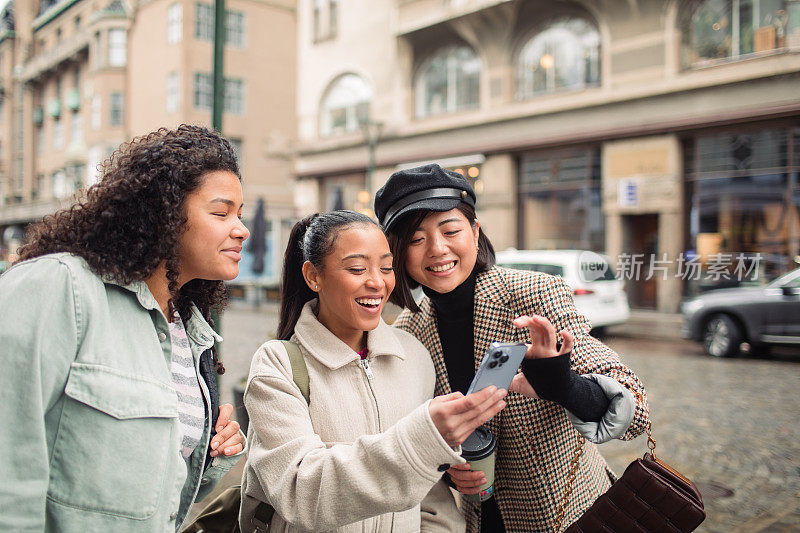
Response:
column 598, row 295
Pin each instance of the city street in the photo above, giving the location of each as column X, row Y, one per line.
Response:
column 730, row 425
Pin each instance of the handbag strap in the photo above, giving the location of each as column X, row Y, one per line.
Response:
column 578, row 451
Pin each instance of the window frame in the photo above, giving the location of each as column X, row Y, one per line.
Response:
column 174, row 23
column 452, row 83
column 354, row 113
column 117, row 48
column 116, row 109
column 594, row 52
column 173, row 99
column 734, row 8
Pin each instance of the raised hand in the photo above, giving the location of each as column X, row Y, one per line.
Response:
column 543, row 337
column 456, row 416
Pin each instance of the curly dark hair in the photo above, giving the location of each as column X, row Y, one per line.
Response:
column 129, row 222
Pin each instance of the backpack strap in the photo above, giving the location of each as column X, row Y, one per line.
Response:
column 299, row 368
column 264, row 511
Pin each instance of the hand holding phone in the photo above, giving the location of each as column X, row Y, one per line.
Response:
column 498, row 367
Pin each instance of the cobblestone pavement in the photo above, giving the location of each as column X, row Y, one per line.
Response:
column 730, row 425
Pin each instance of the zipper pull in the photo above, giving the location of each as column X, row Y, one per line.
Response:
column 367, row 369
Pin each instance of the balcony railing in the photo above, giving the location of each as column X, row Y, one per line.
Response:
column 66, row 50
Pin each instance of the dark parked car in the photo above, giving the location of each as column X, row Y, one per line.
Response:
column 724, row 319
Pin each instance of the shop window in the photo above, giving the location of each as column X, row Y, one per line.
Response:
column 341, row 192
column 345, row 105
column 448, row 82
column 560, row 195
column 565, row 55
column 718, row 30
column 743, row 202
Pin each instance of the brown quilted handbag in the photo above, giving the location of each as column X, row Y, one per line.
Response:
column 650, row 497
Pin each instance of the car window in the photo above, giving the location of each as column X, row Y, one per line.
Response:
column 791, row 279
column 794, row 284
column 553, row 270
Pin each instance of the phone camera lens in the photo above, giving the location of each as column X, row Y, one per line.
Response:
column 497, row 354
column 492, row 364
column 504, row 358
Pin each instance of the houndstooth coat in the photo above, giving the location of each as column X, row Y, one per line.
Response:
column 536, row 441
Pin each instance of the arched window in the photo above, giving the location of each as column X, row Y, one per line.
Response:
column 564, row 55
column 448, row 82
column 345, row 105
column 727, row 29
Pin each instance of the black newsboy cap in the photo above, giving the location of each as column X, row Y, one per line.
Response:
column 429, row 187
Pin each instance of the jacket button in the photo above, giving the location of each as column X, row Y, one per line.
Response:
column 444, row 467
column 173, row 516
column 162, row 336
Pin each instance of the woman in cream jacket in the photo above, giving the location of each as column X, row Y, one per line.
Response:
column 367, row 451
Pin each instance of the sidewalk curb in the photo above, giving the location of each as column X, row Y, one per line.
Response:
column 644, row 324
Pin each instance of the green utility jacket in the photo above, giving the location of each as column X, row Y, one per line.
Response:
column 90, row 425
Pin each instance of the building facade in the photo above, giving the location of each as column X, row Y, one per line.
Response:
column 663, row 133
column 80, row 77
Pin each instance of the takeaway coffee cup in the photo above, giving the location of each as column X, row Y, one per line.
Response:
column 478, row 450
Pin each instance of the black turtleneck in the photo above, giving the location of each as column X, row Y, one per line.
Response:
column 552, row 378
column 454, row 313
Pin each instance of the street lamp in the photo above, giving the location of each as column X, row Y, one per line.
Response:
column 372, row 135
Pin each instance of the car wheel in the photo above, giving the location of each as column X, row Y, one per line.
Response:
column 722, row 336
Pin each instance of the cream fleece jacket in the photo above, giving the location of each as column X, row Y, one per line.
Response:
column 363, row 454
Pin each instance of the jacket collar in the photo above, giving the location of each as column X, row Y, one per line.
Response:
column 492, row 288
column 331, row 351
column 491, row 293
column 196, row 327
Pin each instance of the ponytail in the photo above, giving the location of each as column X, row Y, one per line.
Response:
column 294, row 290
column 311, row 239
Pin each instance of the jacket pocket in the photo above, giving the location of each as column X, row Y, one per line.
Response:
column 114, row 443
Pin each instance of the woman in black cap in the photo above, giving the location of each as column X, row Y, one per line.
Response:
column 565, row 394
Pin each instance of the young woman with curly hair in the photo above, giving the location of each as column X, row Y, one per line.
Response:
column 110, row 396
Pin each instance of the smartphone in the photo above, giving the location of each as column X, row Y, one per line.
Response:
column 498, row 367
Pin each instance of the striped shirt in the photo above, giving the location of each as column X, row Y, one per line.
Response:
column 191, row 408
